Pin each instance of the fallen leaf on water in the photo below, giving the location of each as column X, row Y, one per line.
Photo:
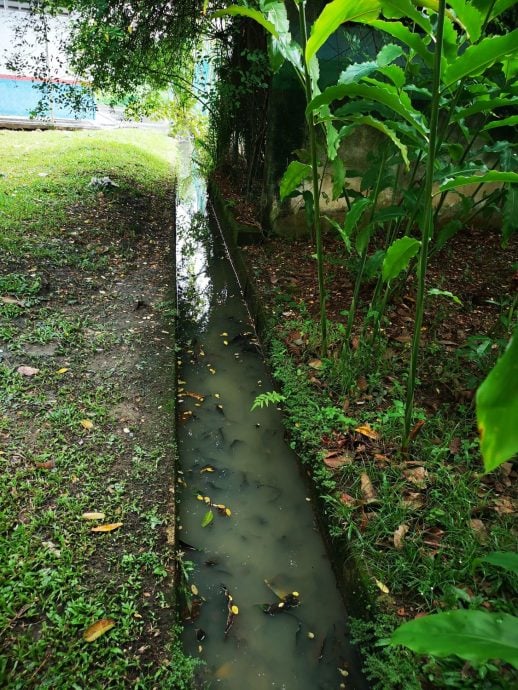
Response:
column 207, row 518
column 381, row 586
column 366, row 430
column 28, row 371
column 47, row 465
column 234, row 609
column 224, row 671
column 399, row 536
column 228, row 512
column 93, row 516
column 195, row 396
column 194, row 590
column 368, row 490
column 212, row 371
column 417, row 476
column 98, row 629
column 315, row 363
column 107, row 528
column 87, row 424
column 336, row 459
column 63, row 370
column 208, row 468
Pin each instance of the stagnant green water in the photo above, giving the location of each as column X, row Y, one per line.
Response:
column 240, row 459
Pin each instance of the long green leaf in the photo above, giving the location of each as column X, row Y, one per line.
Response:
column 398, row 9
column 387, row 131
column 475, row 636
column 237, row 11
column 295, row 173
column 479, row 57
column 398, row 256
column 497, row 409
column 383, row 93
column 409, row 38
column 491, row 176
column 470, row 18
column 506, row 122
column 354, row 214
column 507, row 560
column 336, row 13
column 483, row 105
column 338, row 177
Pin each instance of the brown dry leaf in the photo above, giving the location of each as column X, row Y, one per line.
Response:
column 401, row 612
column 107, row 528
column 93, row 516
column 195, row 396
column 379, row 457
column 97, row 629
column 6, row 299
column 315, row 363
column 355, row 342
column 504, row 505
column 368, row 490
column 366, row 430
column 224, row 671
column 416, row 429
column 336, row 459
column 28, row 371
column 413, row 500
column 362, row 383
column 417, row 476
column 433, row 536
column 348, row 500
column 47, row 465
column 399, row 536
column 454, row 446
column 87, row 424
column 480, row 531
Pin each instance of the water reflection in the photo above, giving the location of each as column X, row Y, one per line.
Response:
column 243, row 503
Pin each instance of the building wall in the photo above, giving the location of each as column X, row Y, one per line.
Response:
column 21, row 93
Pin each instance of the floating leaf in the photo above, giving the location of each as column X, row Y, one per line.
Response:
column 366, row 430
column 97, row 629
column 194, row 590
column 87, row 424
column 28, row 371
column 195, row 396
column 207, row 518
column 93, row 516
column 234, row 609
column 107, row 528
column 208, row 468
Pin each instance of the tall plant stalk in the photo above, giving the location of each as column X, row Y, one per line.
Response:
column 317, row 224
column 428, row 223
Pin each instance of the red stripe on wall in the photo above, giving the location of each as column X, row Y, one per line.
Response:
column 17, row 77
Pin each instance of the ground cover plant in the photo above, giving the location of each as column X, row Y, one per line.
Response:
column 86, row 454
column 412, row 500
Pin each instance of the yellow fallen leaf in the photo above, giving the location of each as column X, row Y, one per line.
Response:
column 224, row 335
column 97, row 629
column 107, row 528
column 212, row 371
column 315, row 364
column 93, row 516
column 381, row 586
column 234, row 609
column 366, row 430
column 87, row 424
column 216, row 395
column 63, row 370
column 225, row 342
column 228, row 512
column 368, row 490
column 399, row 536
column 194, row 590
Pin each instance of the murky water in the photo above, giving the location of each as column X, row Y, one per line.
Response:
column 239, row 460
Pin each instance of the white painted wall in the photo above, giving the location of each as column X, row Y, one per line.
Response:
column 15, row 13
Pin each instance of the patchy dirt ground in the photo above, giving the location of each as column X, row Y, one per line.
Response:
column 87, row 427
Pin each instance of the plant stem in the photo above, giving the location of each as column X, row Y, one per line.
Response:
column 427, row 227
column 317, row 226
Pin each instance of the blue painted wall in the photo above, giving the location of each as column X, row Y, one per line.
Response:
column 18, row 97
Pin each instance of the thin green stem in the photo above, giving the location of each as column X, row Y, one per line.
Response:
column 427, row 227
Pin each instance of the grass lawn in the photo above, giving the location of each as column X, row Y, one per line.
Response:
column 87, row 390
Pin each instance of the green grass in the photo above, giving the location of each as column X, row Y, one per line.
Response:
column 433, row 569
column 56, row 576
